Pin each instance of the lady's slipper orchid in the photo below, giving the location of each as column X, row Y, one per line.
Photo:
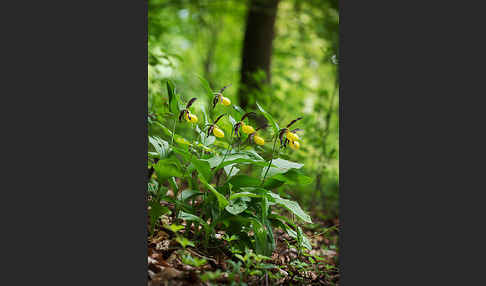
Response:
column 191, row 117
column 187, row 114
column 294, row 145
column 215, row 129
column 218, row 132
column 247, row 129
column 220, row 98
column 259, row 140
column 290, row 135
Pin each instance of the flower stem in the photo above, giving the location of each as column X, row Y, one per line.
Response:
column 173, row 131
column 224, row 157
column 270, row 163
column 232, row 166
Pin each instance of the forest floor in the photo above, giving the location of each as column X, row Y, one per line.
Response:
column 171, row 264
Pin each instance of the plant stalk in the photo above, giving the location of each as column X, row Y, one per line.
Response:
column 231, row 170
column 173, row 131
column 270, row 163
column 224, row 157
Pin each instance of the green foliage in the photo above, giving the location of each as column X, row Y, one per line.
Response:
column 254, row 264
column 174, row 227
column 210, row 275
column 292, row 206
column 156, row 210
column 196, row 47
column 234, row 203
column 269, row 118
column 229, row 184
column 193, row 261
column 184, row 242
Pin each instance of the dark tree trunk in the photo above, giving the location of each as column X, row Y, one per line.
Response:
column 257, row 48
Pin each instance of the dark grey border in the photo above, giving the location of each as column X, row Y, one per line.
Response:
column 412, row 123
column 77, row 175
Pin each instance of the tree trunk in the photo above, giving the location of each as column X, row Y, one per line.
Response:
column 257, row 49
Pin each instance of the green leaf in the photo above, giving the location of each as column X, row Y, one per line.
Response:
column 208, row 276
column 177, row 138
column 252, row 154
column 153, row 188
column 303, row 239
column 193, row 261
column 280, row 166
column 161, row 146
column 231, row 120
column 240, row 257
column 232, row 169
column 270, row 119
column 239, row 181
column 270, row 235
column 240, row 111
column 205, row 115
column 166, row 169
column 234, row 158
column 222, row 201
column 190, row 217
column 205, row 140
column 206, row 87
column 261, row 243
column 267, row 266
column 291, row 206
column 209, row 140
column 236, row 206
column 244, row 194
column 184, row 241
column 255, row 273
column 293, row 177
column 173, row 184
column 174, row 227
column 187, row 194
column 173, row 101
column 282, row 222
column 202, row 167
column 271, row 183
column 156, row 210
column 306, row 243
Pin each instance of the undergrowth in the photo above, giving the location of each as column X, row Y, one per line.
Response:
column 211, row 193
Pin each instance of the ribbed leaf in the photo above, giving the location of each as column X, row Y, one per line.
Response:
column 270, row 119
column 161, row 146
column 166, row 168
column 280, row 166
column 244, row 194
column 173, row 101
column 244, row 181
column 236, row 206
column 222, row 201
column 291, row 206
column 206, row 87
column 293, row 177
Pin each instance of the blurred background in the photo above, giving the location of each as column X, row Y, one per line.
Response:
column 280, row 53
